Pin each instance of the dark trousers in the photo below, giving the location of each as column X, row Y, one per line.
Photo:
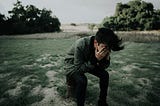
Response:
column 81, row 84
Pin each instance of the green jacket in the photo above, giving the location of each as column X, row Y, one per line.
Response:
column 81, row 59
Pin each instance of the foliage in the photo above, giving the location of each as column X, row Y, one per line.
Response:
column 28, row 19
column 2, row 23
column 134, row 15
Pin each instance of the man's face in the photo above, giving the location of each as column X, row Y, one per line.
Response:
column 102, row 46
column 101, row 50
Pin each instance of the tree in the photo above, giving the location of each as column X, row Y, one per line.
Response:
column 2, row 23
column 47, row 22
column 134, row 15
column 29, row 19
column 18, row 12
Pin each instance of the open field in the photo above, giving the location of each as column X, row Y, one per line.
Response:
column 136, row 36
column 31, row 72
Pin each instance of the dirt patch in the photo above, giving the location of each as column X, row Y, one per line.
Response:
column 51, row 96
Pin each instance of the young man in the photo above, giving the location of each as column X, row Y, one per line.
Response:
column 91, row 55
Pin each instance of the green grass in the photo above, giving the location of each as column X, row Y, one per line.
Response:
column 134, row 72
column 21, row 62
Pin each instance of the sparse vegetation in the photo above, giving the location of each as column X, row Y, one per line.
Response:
column 91, row 26
column 73, row 24
column 139, row 36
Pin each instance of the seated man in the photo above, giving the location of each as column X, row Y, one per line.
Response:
column 91, row 55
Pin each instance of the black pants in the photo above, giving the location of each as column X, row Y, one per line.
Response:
column 81, row 84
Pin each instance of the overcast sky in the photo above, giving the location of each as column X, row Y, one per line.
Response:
column 74, row 11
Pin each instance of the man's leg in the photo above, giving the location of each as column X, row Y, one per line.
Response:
column 70, row 87
column 81, row 84
column 104, row 80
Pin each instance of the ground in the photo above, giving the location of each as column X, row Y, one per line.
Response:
column 31, row 72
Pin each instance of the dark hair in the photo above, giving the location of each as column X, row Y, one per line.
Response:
column 107, row 36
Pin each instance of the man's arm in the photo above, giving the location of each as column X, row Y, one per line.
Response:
column 104, row 63
column 81, row 65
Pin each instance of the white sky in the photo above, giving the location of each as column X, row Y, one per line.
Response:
column 74, row 11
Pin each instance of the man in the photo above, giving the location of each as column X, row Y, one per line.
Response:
column 91, row 55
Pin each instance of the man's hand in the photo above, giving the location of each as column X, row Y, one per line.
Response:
column 100, row 54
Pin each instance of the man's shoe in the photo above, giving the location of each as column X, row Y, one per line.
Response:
column 69, row 92
column 102, row 103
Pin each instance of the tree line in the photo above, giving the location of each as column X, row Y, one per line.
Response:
column 134, row 15
column 28, row 19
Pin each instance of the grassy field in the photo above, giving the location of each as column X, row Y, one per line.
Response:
column 31, row 73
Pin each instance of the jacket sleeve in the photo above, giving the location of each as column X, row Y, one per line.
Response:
column 104, row 63
column 80, row 64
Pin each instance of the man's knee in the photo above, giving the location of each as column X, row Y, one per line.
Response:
column 81, row 80
column 76, row 79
